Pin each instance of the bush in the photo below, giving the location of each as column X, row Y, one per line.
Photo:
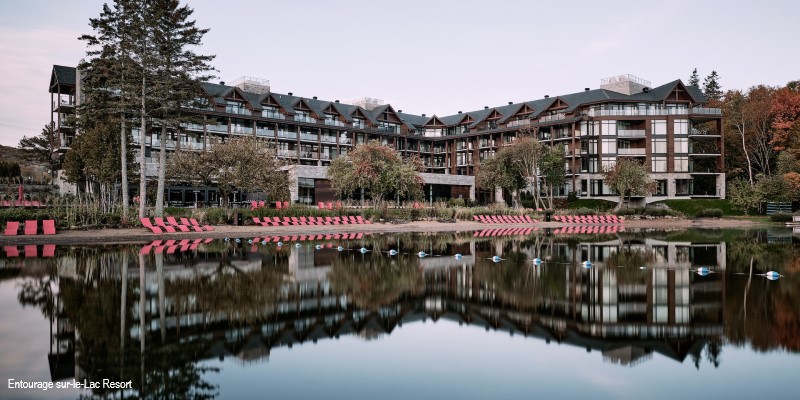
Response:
column 780, row 217
column 456, row 202
column 215, row 216
column 648, row 211
column 709, row 213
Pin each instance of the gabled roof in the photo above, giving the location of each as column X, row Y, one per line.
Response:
column 62, row 76
column 453, row 120
column 217, row 92
column 415, row 120
column 662, row 92
column 287, row 102
column 315, row 106
column 362, row 113
column 434, row 121
column 346, row 110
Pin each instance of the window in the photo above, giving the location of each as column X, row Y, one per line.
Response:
column 659, row 146
column 305, row 190
column 659, row 127
column 681, row 164
column 681, row 145
column 609, row 146
column 609, row 128
column 683, row 187
column 608, row 163
column 681, row 127
column 659, row 164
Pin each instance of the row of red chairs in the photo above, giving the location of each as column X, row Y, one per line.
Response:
column 172, row 226
column 589, row 229
column 302, row 238
column 329, row 205
column 290, row 221
column 24, row 203
column 504, row 219
column 590, row 219
column 31, row 251
column 31, row 227
column 171, row 246
column 504, row 232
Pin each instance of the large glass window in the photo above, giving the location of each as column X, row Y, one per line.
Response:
column 305, row 190
column 659, row 164
column 681, row 127
column 659, row 146
column 608, row 163
column 609, row 146
column 681, row 145
column 681, row 164
column 661, row 187
column 659, row 127
column 609, row 128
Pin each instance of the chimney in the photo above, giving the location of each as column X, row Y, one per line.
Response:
column 222, row 83
column 510, row 102
column 423, row 115
column 337, row 101
column 315, row 97
column 645, row 89
column 459, row 112
column 399, row 111
column 290, row 93
column 547, row 96
column 485, row 107
column 586, row 89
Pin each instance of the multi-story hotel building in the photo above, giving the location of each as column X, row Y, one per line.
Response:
column 667, row 128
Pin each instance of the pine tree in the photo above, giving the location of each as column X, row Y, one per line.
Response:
column 694, row 79
column 712, row 88
column 178, row 73
column 42, row 147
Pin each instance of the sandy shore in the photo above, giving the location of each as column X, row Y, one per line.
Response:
column 142, row 235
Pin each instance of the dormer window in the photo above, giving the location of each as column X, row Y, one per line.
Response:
column 271, row 112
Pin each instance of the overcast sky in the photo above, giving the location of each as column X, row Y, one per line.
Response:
column 434, row 57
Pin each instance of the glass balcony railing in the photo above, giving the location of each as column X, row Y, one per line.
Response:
column 237, row 110
column 702, row 132
column 636, row 111
column 703, row 169
column 245, row 130
column 287, row 153
column 631, row 133
column 265, row 132
column 359, row 125
column 439, row 150
column 327, row 139
column 217, row 128
column 287, row 135
column 309, row 137
column 554, row 117
column 272, row 114
column 706, row 111
column 334, row 122
column 305, row 118
column 345, row 140
column 519, row 122
column 192, row 127
column 309, row 154
column 631, row 152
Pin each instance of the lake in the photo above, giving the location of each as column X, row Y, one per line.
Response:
column 486, row 314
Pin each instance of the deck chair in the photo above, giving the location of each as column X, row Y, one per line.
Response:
column 149, row 225
column 195, row 223
column 12, row 228
column 49, row 227
column 175, row 223
column 31, row 227
column 185, row 222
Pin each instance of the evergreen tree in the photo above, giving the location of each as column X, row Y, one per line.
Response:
column 179, row 73
column 42, row 147
column 694, row 79
column 712, row 88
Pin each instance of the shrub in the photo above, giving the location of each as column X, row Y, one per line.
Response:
column 780, row 217
column 215, row 216
column 459, row 202
column 710, row 213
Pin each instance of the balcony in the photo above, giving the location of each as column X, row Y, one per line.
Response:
column 242, row 130
column 238, row 110
column 287, row 135
column 701, row 133
column 217, row 128
column 359, row 125
column 389, row 129
column 65, row 105
column 192, row 127
column 703, row 169
column 308, row 137
column 265, row 132
column 627, row 112
column 632, row 152
column 325, row 156
column 170, row 144
column 519, row 122
column 272, row 114
column 327, row 139
column 439, row 150
column 463, row 146
column 554, row 117
column 305, row 118
column 706, row 111
column 631, row 133
column 335, row 122
column 309, row 155
column 486, row 143
column 287, row 153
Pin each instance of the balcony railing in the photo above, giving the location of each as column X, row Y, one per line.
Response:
column 359, row 125
column 334, row 122
column 325, row 156
column 636, row 111
column 245, row 130
column 237, row 110
column 309, row 154
column 287, row 135
column 217, row 128
column 287, row 153
column 309, row 137
column 327, row 139
column 265, row 132
column 706, row 111
column 438, row 150
column 170, row 144
column 554, row 117
column 631, row 152
column 702, row 132
column 192, row 127
column 702, row 169
column 272, row 114
column 302, row 118
column 519, row 122
column 631, row 133
column 344, row 140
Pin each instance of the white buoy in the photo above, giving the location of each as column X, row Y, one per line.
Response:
column 421, row 254
column 496, row 259
column 363, row 250
column 340, row 248
column 249, row 241
column 457, row 256
column 238, row 240
column 318, row 247
column 297, row 245
column 772, row 275
column 703, row 271
column 263, row 242
column 587, row 264
column 227, row 240
column 537, row 261
column 392, row 252
column 280, row 244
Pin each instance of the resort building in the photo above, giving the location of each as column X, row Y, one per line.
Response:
column 667, row 128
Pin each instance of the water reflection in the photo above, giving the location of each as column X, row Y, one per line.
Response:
column 151, row 313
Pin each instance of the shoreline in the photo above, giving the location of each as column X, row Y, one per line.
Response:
column 142, row 235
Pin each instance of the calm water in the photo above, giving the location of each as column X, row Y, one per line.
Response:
column 667, row 315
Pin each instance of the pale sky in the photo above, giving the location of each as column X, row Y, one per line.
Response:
column 433, row 57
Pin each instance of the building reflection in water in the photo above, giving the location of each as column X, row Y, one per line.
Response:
column 238, row 300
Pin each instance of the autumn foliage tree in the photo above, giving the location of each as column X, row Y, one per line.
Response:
column 628, row 177
column 378, row 170
column 245, row 164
